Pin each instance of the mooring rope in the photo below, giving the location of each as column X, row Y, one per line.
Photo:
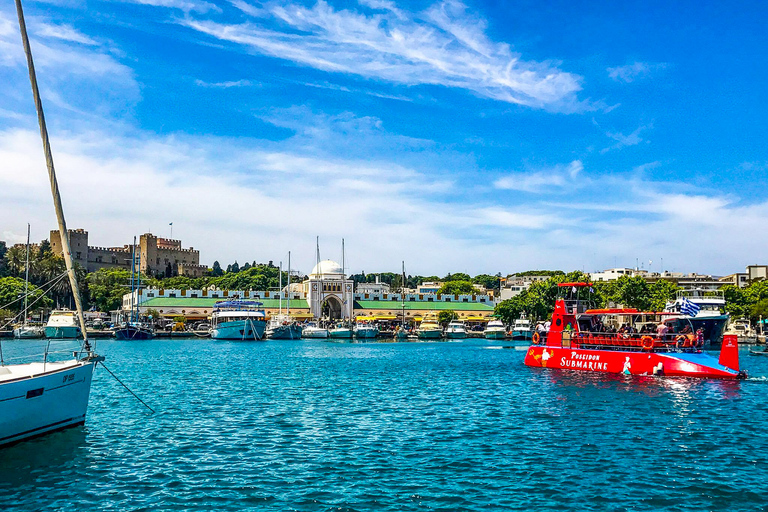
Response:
column 126, row 387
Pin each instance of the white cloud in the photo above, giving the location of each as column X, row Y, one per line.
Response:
column 444, row 46
column 64, row 33
column 634, row 71
column 227, row 84
column 541, row 180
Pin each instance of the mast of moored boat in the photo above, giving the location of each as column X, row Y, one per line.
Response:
column 63, row 233
column 343, row 284
column 402, row 297
column 280, row 289
column 26, row 282
column 288, row 303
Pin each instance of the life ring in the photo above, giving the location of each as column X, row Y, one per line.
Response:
column 536, row 338
column 647, row 342
column 680, row 341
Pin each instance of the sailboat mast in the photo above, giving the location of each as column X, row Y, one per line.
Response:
column 133, row 270
column 402, row 295
column 280, row 289
column 63, row 233
column 343, row 282
column 288, row 306
column 138, row 282
column 26, row 281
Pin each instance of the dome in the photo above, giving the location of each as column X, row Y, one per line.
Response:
column 327, row 267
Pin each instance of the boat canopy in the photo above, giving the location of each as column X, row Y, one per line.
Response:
column 237, row 304
column 626, row 311
column 577, row 285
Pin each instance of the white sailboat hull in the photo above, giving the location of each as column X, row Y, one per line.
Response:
column 36, row 399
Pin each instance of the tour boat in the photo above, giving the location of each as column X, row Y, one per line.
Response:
column 456, row 330
column 521, row 330
column 238, row 320
column 495, row 330
column 40, row 397
column 62, row 324
column 579, row 340
column 429, row 329
column 312, row 330
column 366, row 330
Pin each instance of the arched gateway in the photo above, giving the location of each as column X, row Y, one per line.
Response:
column 329, row 292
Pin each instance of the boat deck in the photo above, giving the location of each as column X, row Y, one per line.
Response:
column 22, row 371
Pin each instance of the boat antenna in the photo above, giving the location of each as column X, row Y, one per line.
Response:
column 63, row 233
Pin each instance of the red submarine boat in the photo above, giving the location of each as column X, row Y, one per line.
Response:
column 626, row 341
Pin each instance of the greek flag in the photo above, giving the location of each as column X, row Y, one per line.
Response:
column 689, row 308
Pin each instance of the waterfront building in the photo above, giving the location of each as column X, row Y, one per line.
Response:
column 158, row 256
column 376, row 287
column 739, row 279
column 329, row 292
column 198, row 304
column 429, row 287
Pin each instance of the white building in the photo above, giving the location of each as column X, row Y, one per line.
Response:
column 329, row 292
column 372, row 288
column 611, row 274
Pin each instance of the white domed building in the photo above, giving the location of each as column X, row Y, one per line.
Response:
column 329, row 292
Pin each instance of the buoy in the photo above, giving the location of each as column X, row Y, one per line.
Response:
column 647, row 342
column 536, row 338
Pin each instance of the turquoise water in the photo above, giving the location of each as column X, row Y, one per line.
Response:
column 310, row 425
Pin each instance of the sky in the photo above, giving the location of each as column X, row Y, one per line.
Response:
column 477, row 136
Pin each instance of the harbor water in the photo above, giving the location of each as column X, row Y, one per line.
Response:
column 313, row 425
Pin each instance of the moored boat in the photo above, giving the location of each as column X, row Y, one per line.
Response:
column 238, row 320
column 283, row 327
column 521, row 329
column 312, row 330
column 341, row 331
column 133, row 329
column 366, row 330
column 456, row 330
column 429, row 328
column 495, row 330
column 703, row 310
column 62, row 324
column 584, row 340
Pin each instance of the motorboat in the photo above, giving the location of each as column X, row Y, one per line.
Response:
column 62, row 324
column 521, row 329
column 742, row 329
column 589, row 340
column 312, row 330
column 238, row 320
column 341, row 330
column 456, row 330
column 701, row 309
column 429, row 328
column 495, row 330
column 366, row 330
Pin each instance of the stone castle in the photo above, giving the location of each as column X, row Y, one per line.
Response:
column 155, row 256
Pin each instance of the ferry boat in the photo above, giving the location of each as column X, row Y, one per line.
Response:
column 521, row 330
column 710, row 317
column 238, row 320
column 366, row 330
column 579, row 340
column 495, row 330
column 283, row 327
column 312, row 330
column 456, row 330
column 62, row 324
column 429, row 329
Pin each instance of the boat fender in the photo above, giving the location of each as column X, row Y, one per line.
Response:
column 647, row 342
column 536, row 338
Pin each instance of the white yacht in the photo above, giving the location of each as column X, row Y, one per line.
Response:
column 495, row 330
column 708, row 313
column 743, row 330
column 62, row 323
column 366, row 330
column 522, row 330
column 429, row 328
column 456, row 330
column 313, row 331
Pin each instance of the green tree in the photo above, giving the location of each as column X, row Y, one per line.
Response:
column 107, row 287
column 662, row 292
column 217, row 271
column 12, row 295
column 458, row 276
column 445, row 317
column 457, row 288
column 488, row 281
column 44, row 249
column 15, row 260
column 509, row 310
column 759, row 310
column 3, row 264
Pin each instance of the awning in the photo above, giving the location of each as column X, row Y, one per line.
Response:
column 476, row 319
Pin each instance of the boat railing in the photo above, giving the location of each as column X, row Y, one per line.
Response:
column 52, row 354
column 700, row 293
column 636, row 341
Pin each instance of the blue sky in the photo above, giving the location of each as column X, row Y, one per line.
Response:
column 475, row 137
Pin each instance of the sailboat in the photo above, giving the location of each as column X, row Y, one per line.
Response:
column 24, row 330
column 283, row 326
column 342, row 330
column 401, row 333
column 133, row 329
column 41, row 397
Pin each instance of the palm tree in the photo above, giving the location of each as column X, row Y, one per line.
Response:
column 16, row 258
